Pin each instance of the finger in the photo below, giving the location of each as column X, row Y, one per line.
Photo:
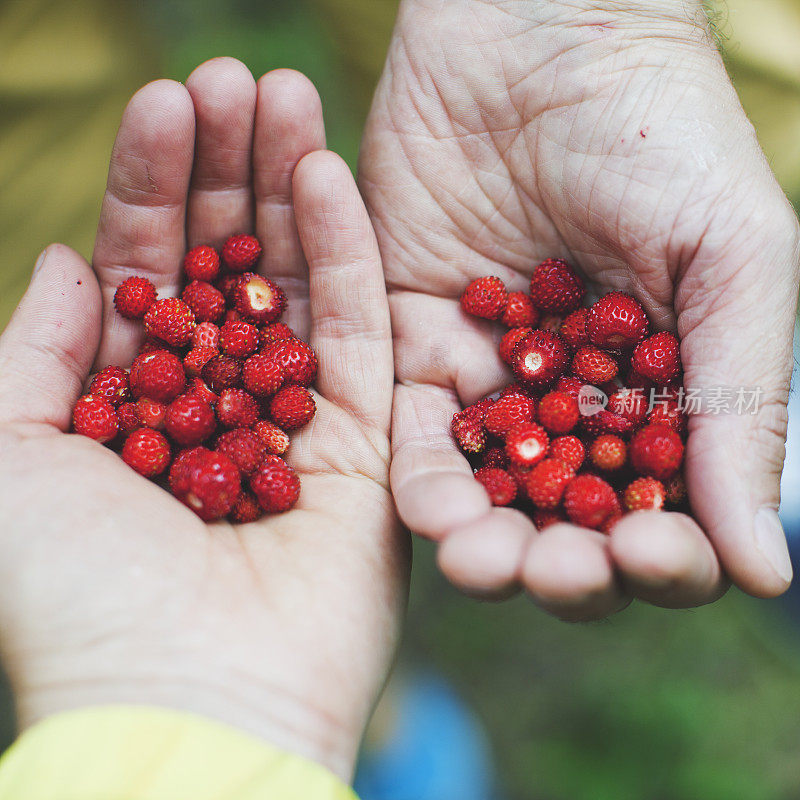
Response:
column 569, row 573
column 432, row 483
column 350, row 326
column 142, row 220
column 484, row 557
column 289, row 125
column 666, row 559
column 49, row 345
column 221, row 193
column 736, row 306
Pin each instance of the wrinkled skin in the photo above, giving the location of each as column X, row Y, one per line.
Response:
column 609, row 134
column 110, row 589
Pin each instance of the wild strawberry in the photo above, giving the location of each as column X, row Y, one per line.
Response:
column 246, row 509
column 189, row 420
column 468, row 427
column 94, row 416
column 608, row 453
column 644, row 494
column 606, row 421
column 205, row 481
column 275, row 485
column 238, row 339
column 197, row 358
column 170, row 320
column 201, row 263
column 199, row 388
column 507, row 413
column 558, row 412
column 509, row 342
column 292, row 407
column 592, row 365
column 237, row 409
column 569, row 449
column 485, row 298
column 258, row 299
column 274, row 332
column 206, row 334
column 676, row 490
column 667, row 410
column 297, row 359
column 275, row 438
column 629, row 403
column 520, row 312
column 590, row 502
column 111, row 383
column 545, row 517
column 495, row 457
column 616, row 321
column 499, row 485
column 227, row 284
column 222, row 372
column 128, row 418
column 658, row 358
column 241, row 252
column 573, row 329
column 147, row 451
column 656, row 451
column 547, row 482
column 527, row 444
column 158, row 375
column 151, row 413
column 612, row 519
column 539, row 358
column 206, row 302
column 262, row 375
column 555, row 287
column 134, row 297
column 570, row 385
column 243, row 447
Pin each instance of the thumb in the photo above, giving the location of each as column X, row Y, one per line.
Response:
column 49, row 345
column 737, row 304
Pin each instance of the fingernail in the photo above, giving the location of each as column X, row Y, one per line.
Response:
column 39, row 261
column 771, row 542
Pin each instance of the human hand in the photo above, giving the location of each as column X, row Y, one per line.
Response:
column 506, row 132
column 110, row 590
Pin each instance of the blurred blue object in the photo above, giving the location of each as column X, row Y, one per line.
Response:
column 435, row 750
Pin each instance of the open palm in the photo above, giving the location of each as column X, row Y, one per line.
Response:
column 111, row 590
column 506, row 132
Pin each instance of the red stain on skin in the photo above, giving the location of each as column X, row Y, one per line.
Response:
column 643, row 132
column 80, row 283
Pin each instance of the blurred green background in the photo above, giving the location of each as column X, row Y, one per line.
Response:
column 650, row 705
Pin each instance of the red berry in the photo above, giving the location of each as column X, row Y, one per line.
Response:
column 569, row 449
column 526, row 445
column 201, row 263
column 206, row 482
column 198, row 388
column 539, row 358
column 111, row 383
column 170, row 320
column 508, row 412
column 238, row 339
column 243, row 447
column 658, row 358
column 258, row 299
column 616, row 321
column 555, row 287
column 128, row 418
column 262, row 375
column 197, row 358
column 237, row 409
column 606, row 421
column 275, row 438
column 644, row 494
column 509, row 342
column 158, row 375
column 592, row 365
column 573, row 329
column 468, row 427
column 246, row 509
column 495, row 457
column 206, row 302
column 545, row 517
column 190, row 420
column 629, row 403
column 206, row 334
column 590, row 501
column 274, row 332
column 520, row 312
column 499, row 485
column 151, row 413
column 485, row 298
column 656, row 451
column 146, row 451
column 228, row 283
column 547, row 481
column 667, row 411
column 95, row 417
column 241, row 252
column 222, row 372
column 292, row 407
column 558, row 412
column 608, row 452
column 569, row 385
column 297, row 359
column 134, row 297
column 276, row 485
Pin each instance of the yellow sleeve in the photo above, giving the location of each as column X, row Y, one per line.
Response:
column 132, row 753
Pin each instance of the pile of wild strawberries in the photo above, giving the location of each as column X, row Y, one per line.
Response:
column 208, row 402
column 550, row 443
